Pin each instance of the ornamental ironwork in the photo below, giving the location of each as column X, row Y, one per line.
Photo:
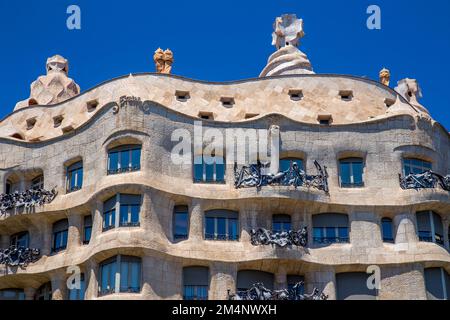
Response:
column 27, row 199
column 255, row 176
column 259, row 292
column 266, row 237
column 18, row 256
column 426, row 180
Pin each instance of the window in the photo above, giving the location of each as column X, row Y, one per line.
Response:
column 386, row 228
column 74, row 177
column 78, row 294
column 296, row 94
column 60, row 231
column 21, row 239
column 437, row 283
column 129, row 209
column 180, row 222
column 415, row 166
column 206, row 115
column 91, row 105
column 330, row 228
column 87, row 232
column 351, row 173
column 44, row 292
column 221, row 225
column 182, row 96
column 126, row 270
column 429, row 227
column 31, row 123
column 209, row 169
column 281, row 223
column 353, row 286
column 124, row 159
column 227, row 101
column 325, row 119
column 346, row 95
column 247, row 278
column 287, row 163
column 37, row 183
column 12, row 294
column 57, row 120
column 195, row 283
column 292, row 280
column 251, row 115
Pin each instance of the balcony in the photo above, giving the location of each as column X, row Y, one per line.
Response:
column 27, row 199
column 18, row 256
column 283, row 239
column 259, row 292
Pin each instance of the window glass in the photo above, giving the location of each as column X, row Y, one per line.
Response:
column 281, row 223
column 387, row 233
column 113, row 163
column 180, row 222
column 209, row 228
column 209, row 169
column 195, row 283
column 351, row 172
column 20, row 239
column 286, row 164
column 124, row 158
column 87, row 229
column 415, row 166
column 221, row 225
column 78, row 294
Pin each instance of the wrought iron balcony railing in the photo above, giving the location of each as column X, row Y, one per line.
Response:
column 255, row 176
column 426, row 180
column 27, row 199
column 259, row 292
column 263, row 236
column 129, row 224
column 124, row 170
column 18, row 256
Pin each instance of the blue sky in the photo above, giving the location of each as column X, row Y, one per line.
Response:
column 224, row 40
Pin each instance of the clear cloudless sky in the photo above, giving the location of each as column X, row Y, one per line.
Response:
column 223, row 40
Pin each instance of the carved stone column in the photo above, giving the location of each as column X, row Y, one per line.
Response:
column 29, row 293
column 59, row 286
column 97, row 219
column 75, row 231
column 406, row 229
column 223, row 278
column 162, row 278
column 324, row 280
column 446, row 225
column 4, row 241
column 90, row 275
column 45, row 235
column 196, row 220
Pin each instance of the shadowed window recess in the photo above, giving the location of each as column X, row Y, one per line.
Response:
column 180, row 222
column 329, row 228
column 247, row 278
column 12, row 294
column 44, row 292
column 195, row 283
column 281, row 223
column 21, row 239
column 124, row 158
column 429, row 227
column 437, row 283
column 78, row 294
column 87, row 229
column 222, row 225
column 351, row 173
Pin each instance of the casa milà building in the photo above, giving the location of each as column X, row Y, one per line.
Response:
column 88, row 182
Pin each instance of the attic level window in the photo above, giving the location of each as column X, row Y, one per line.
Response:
column 251, row 115
column 227, row 101
column 325, row 119
column 30, row 123
column 182, row 96
column 206, row 115
column 296, row 94
column 57, row 121
column 389, row 102
column 32, row 102
column 346, row 95
column 17, row 136
column 91, row 105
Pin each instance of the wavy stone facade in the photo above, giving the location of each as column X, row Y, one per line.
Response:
column 323, row 118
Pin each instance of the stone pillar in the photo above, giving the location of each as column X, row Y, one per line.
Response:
column 74, row 240
column 46, row 237
column 324, row 280
column 22, row 182
column 245, row 225
column 59, row 286
column 196, row 220
column 402, row 282
column 274, row 149
column 406, row 229
column 97, row 219
column 29, row 293
column 280, row 278
column 223, row 278
column 162, row 278
column 90, row 276
column 4, row 241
